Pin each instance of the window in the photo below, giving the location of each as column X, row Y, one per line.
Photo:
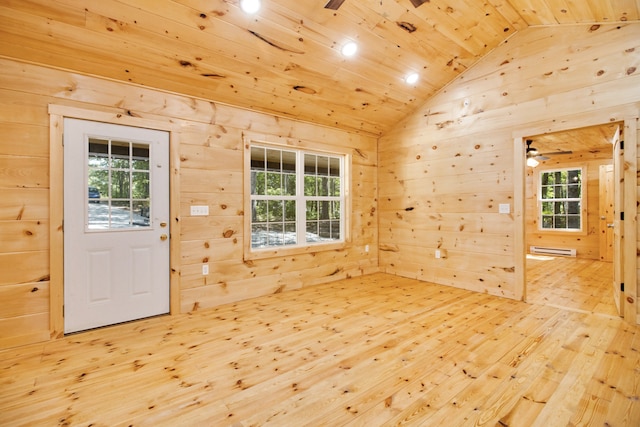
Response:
column 561, row 199
column 118, row 184
column 297, row 198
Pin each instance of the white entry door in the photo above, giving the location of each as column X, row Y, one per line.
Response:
column 116, row 224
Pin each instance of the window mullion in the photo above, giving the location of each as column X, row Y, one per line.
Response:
column 301, row 204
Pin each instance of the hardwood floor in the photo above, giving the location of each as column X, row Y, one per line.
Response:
column 571, row 283
column 370, row 351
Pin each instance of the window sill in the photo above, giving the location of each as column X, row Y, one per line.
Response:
column 562, row 232
column 297, row 250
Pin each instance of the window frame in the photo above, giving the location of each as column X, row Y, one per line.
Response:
column 583, row 201
column 300, row 149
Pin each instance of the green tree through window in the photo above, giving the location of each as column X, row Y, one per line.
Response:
column 296, row 197
column 561, row 199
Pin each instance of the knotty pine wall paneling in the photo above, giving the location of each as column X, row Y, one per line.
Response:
column 445, row 169
column 211, row 173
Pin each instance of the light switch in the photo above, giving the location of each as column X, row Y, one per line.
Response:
column 504, row 208
column 199, row 210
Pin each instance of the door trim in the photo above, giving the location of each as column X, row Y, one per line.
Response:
column 629, row 114
column 57, row 113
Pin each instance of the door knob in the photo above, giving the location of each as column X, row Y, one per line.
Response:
column 163, row 237
column 164, row 224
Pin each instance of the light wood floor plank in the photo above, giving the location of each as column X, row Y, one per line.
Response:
column 373, row 350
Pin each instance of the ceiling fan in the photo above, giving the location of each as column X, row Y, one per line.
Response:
column 532, row 153
column 533, row 156
column 335, row 4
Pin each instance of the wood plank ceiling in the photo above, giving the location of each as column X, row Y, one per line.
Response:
column 592, row 139
column 286, row 58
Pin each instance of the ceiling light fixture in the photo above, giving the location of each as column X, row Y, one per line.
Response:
column 250, row 6
column 349, row 49
column 411, row 78
column 531, row 154
column 532, row 162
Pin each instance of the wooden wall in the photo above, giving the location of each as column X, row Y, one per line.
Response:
column 587, row 243
column 445, row 169
column 211, row 172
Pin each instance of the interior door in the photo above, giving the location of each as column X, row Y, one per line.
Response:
column 116, row 228
column 618, row 230
column 605, row 211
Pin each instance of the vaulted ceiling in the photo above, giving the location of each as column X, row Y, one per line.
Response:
column 285, row 59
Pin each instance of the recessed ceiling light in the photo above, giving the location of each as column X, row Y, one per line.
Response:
column 349, row 49
column 250, row 6
column 411, row 78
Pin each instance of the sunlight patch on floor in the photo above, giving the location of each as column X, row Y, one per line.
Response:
column 540, row 257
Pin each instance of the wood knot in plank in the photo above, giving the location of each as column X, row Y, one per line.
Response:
column 304, row 89
column 388, row 401
column 407, row 26
column 442, row 125
column 336, row 271
column 360, row 153
column 274, row 43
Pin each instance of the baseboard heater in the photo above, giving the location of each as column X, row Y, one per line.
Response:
column 541, row 250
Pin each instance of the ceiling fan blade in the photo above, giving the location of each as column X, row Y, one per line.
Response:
column 555, row 153
column 417, row 3
column 333, row 4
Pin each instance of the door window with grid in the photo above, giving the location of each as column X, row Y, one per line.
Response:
column 561, row 199
column 297, row 197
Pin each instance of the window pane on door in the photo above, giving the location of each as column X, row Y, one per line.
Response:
column 118, row 176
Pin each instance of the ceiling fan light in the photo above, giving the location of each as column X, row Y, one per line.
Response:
column 411, row 78
column 532, row 162
column 250, row 6
column 349, row 49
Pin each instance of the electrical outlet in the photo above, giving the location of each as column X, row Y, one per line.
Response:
column 504, row 208
column 199, row 210
column 438, row 254
column 205, row 269
column 366, row 248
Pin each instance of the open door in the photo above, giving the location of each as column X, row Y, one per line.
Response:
column 625, row 286
column 605, row 212
column 629, row 261
column 618, row 230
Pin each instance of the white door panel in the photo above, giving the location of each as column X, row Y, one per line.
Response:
column 116, row 211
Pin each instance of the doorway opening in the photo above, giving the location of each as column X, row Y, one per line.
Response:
column 569, row 208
